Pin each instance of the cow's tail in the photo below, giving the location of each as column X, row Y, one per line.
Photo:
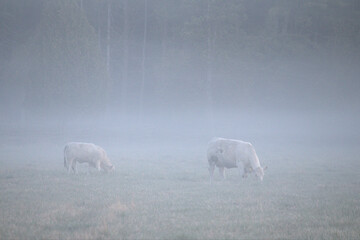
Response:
column 65, row 158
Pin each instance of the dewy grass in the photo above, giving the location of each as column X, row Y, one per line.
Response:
column 170, row 197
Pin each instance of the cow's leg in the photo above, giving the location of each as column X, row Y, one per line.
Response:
column 211, row 172
column 97, row 165
column 89, row 169
column 73, row 166
column 68, row 166
column 222, row 172
column 241, row 171
column 245, row 172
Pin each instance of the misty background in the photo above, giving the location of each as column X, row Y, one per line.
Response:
column 167, row 70
column 152, row 82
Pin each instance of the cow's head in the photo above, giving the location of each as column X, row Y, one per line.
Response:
column 108, row 167
column 259, row 172
column 111, row 168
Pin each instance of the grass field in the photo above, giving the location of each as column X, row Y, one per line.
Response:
column 163, row 192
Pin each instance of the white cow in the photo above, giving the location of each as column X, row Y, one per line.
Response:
column 228, row 153
column 94, row 155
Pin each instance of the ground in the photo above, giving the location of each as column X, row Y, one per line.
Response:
column 163, row 191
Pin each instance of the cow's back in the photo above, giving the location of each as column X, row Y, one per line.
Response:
column 82, row 152
column 230, row 152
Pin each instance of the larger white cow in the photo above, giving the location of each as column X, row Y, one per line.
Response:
column 229, row 153
column 89, row 153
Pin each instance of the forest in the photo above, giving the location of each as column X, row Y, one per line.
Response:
column 96, row 57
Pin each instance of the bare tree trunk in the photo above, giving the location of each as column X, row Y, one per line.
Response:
column 125, row 59
column 142, row 89
column 209, row 73
column 99, row 26
column 109, row 87
column 164, row 31
column 108, row 36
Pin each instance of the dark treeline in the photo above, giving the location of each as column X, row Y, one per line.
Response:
column 140, row 56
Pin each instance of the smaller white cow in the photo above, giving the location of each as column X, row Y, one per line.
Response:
column 89, row 153
column 229, row 153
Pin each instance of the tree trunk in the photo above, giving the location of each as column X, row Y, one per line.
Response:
column 108, row 36
column 125, row 59
column 109, row 87
column 142, row 89
column 209, row 72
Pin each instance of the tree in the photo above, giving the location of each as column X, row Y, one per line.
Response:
column 125, row 58
column 143, row 62
column 209, row 65
column 108, row 35
column 65, row 69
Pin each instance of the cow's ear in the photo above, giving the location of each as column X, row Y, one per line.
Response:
column 266, row 167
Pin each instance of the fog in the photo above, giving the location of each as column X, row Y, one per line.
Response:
column 152, row 82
